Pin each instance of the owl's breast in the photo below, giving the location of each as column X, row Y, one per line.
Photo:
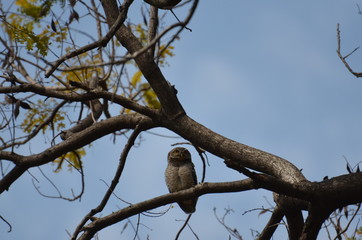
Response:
column 173, row 180
column 180, row 177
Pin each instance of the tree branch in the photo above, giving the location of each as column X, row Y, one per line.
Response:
column 240, row 155
column 171, row 107
column 76, row 141
column 206, row 188
column 81, row 97
column 198, row 190
column 318, row 213
column 343, row 59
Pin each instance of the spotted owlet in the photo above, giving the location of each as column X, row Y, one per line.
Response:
column 180, row 174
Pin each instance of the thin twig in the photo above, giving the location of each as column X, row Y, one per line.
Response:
column 137, row 228
column 183, row 226
column 234, row 232
column 349, row 54
column 80, row 170
column 201, row 153
column 10, row 227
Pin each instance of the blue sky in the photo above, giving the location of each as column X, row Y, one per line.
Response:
column 264, row 73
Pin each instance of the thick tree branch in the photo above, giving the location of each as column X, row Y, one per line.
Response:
column 240, row 155
column 314, row 189
column 165, row 92
column 198, row 190
column 81, row 97
column 11, row 177
column 295, row 223
column 317, row 214
column 76, row 141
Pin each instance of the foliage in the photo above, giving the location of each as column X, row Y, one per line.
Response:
column 21, row 27
column 40, row 114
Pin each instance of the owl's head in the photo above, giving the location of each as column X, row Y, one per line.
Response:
column 179, row 154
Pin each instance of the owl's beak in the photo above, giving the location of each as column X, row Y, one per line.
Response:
column 179, row 155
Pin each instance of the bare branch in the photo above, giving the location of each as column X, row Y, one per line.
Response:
column 60, row 196
column 317, row 214
column 4, row 220
column 74, row 96
column 233, row 231
column 183, row 226
column 198, row 190
column 343, row 59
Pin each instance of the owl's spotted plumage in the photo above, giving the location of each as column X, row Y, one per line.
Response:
column 180, row 175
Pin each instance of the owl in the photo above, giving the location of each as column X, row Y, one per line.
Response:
column 180, row 174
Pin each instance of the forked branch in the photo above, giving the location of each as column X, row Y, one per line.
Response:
column 343, row 58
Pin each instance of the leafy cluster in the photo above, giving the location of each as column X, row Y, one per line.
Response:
column 43, row 115
column 21, row 27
